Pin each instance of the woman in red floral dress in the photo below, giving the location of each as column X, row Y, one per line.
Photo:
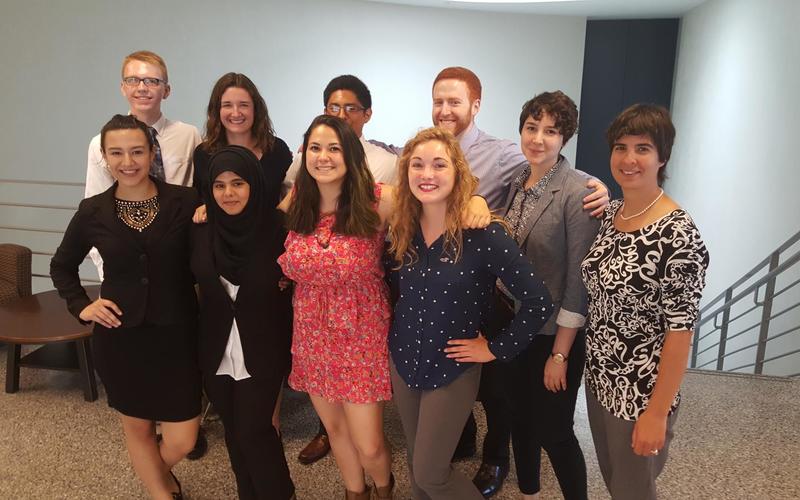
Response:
column 337, row 219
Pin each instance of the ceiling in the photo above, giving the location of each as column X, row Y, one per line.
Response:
column 596, row 9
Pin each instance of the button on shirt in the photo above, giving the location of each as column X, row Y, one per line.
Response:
column 442, row 300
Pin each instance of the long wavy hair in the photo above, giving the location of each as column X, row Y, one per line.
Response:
column 407, row 209
column 262, row 130
column 356, row 213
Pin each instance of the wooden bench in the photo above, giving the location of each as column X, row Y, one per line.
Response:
column 43, row 319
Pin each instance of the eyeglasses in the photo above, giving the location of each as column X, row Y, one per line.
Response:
column 133, row 81
column 348, row 108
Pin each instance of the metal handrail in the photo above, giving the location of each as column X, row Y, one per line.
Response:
column 32, row 205
column 42, row 183
column 718, row 317
column 41, row 206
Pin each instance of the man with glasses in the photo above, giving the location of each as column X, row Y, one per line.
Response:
column 145, row 84
column 349, row 98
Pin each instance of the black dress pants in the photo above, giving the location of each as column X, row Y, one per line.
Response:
column 254, row 446
column 544, row 419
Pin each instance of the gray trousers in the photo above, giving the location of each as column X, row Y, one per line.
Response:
column 628, row 476
column 432, row 422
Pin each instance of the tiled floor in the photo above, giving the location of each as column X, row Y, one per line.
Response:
column 736, row 438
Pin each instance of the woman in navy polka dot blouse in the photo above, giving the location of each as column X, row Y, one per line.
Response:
column 446, row 277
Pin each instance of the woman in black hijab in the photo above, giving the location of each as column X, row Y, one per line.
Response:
column 245, row 319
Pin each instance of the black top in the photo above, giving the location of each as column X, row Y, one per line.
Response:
column 441, row 300
column 641, row 284
column 275, row 163
column 146, row 274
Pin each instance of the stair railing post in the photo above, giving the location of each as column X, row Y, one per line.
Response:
column 766, row 312
column 723, row 330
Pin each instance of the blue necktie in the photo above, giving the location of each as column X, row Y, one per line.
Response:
column 157, row 167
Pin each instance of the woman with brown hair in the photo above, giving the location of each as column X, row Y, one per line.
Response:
column 145, row 323
column 446, row 279
column 238, row 116
column 336, row 216
column 645, row 274
column 546, row 220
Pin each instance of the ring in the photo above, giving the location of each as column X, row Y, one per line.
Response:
column 654, row 452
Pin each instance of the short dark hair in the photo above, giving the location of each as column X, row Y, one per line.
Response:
column 355, row 209
column 351, row 83
column 650, row 120
column 124, row 122
column 556, row 104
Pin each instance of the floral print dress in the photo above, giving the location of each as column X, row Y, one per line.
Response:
column 341, row 314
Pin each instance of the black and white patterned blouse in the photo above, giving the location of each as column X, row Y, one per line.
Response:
column 641, row 284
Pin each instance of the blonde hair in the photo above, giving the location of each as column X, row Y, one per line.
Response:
column 407, row 209
column 148, row 57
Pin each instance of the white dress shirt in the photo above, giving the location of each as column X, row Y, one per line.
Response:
column 381, row 163
column 232, row 363
column 177, row 141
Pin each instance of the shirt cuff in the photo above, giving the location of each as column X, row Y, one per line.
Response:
column 569, row 319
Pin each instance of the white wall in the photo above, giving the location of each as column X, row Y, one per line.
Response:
column 61, row 72
column 61, row 64
column 735, row 165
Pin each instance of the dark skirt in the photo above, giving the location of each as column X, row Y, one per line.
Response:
column 150, row 372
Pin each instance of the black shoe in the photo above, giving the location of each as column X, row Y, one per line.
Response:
column 179, row 494
column 489, row 479
column 200, row 446
column 463, row 452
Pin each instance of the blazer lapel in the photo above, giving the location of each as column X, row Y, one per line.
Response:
column 168, row 209
column 538, row 210
column 555, row 185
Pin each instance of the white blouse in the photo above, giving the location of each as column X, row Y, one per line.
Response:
column 232, row 363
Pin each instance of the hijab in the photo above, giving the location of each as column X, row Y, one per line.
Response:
column 234, row 238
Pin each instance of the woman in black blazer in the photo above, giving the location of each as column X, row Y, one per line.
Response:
column 145, row 336
column 245, row 319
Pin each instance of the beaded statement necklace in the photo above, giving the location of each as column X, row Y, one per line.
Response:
column 137, row 214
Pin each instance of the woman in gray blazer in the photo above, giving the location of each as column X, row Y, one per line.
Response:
column 545, row 212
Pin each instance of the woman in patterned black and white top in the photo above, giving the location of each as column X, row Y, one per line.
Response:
column 645, row 274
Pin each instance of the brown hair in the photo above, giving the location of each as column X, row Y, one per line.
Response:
column 262, row 131
column 356, row 208
column 147, row 57
column 464, row 75
column 650, row 120
column 407, row 208
column 556, row 104
column 125, row 122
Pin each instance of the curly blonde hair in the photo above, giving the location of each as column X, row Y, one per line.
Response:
column 407, row 208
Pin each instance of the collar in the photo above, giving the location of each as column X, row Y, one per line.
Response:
column 160, row 124
column 519, row 181
column 470, row 137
